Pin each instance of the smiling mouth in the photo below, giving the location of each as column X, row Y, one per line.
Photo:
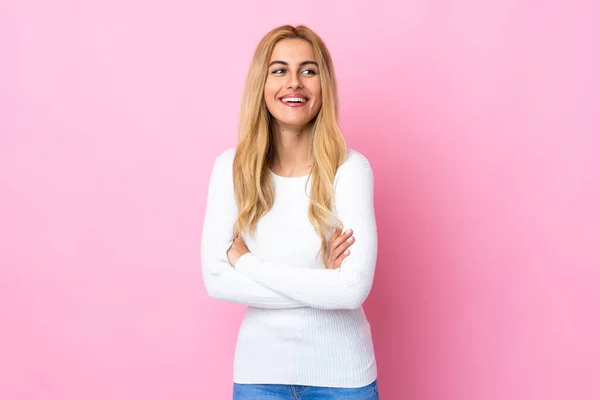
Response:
column 293, row 100
column 294, row 103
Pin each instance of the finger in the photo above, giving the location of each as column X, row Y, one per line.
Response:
column 343, row 246
column 342, row 257
column 337, row 251
column 335, row 235
column 336, row 262
column 342, row 237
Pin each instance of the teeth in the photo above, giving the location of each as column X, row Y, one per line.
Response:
column 294, row 99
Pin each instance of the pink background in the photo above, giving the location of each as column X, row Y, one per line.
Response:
column 481, row 121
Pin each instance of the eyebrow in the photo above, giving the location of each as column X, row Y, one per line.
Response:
column 303, row 63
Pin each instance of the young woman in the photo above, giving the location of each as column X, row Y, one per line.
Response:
column 290, row 232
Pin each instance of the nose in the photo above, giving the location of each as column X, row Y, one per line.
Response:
column 294, row 81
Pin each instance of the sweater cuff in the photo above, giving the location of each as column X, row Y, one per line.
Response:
column 246, row 262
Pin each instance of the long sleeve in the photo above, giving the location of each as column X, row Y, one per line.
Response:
column 221, row 280
column 348, row 286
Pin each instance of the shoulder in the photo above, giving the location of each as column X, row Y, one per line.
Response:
column 222, row 169
column 355, row 173
column 224, row 160
column 226, row 156
column 354, row 163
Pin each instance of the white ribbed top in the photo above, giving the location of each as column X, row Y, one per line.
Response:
column 305, row 324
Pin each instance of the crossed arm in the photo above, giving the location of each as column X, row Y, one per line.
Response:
column 264, row 284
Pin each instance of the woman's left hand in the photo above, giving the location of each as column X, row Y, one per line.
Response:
column 237, row 249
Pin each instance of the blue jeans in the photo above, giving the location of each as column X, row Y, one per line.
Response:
column 297, row 392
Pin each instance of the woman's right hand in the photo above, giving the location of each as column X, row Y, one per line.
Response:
column 338, row 248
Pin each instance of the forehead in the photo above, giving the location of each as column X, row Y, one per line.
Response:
column 292, row 50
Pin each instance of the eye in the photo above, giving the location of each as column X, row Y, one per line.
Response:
column 281, row 70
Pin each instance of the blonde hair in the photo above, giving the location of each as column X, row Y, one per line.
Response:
column 254, row 154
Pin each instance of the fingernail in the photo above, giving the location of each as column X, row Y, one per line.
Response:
column 349, row 231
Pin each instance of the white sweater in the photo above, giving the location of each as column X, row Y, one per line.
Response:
column 305, row 324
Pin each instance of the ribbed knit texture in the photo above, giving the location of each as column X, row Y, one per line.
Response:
column 305, row 324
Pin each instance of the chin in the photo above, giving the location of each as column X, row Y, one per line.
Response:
column 294, row 123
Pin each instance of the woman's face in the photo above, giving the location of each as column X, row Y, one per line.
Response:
column 293, row 75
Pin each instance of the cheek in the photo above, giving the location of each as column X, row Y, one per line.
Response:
column 268, row 98
column 270, row 92
column 317, row 92
column 318, row 97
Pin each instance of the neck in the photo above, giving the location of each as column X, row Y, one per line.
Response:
column 292, row 145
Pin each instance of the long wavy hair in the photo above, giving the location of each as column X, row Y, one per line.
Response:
column 253, row 186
